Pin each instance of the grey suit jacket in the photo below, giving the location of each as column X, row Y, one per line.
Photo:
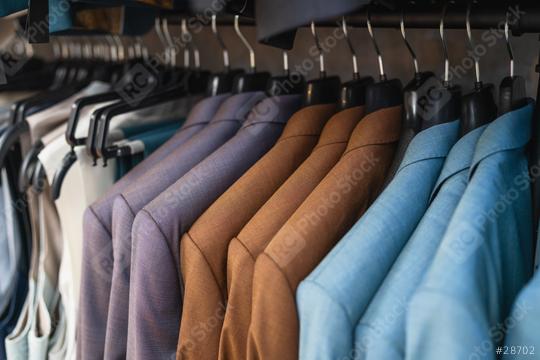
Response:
column 96, row 271
column 155, row 298
column 225, row 123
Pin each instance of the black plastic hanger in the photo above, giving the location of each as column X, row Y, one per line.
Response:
column 221, row 82
column 414, row 109
column 285, row 84
column 416, row 94
column 512, row 92
column 28, row 165
column 99, row 143
column 353, row 92
column 478, row 107
column 26, row 174
column 164, row 75
column 385, row 93
column 170, row 74
column 193, row 81
column 252, row 80
column 325, row 89
column 104, row 69
column 441, row 101
column 23, row 108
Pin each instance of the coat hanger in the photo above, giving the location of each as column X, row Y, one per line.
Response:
column 512, row 93
column 385, row 93
column 85, row 101
column 103, row 56
column 252, row 80
column 21, row 109
column 27, row 174
column 221, row 82
column 197, row 79
column 113, row 54
column 442, row 100
column 285, row 84
column 414, row 91
column 58, row 91
column 99, row 139
column 353, row 92
column 325, row 89
column 478, row 107
column 168, row 86
column 167, row 73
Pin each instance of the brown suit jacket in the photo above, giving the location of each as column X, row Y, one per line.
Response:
column 203, row 249
column 322, row 219
column 257, row 233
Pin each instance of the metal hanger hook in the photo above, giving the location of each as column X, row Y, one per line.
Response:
column 120, row 47
column 471, row 42
column 141, row 48
column 351, row 48
column 170, row 44
column 508, row 45
column 112, row 48
column 159, row 32
column 190, row 44
column 382, row 74
column 56, row 49
column 252, row 64
column 322, row 69
column 226, row 62
column 286, row 62
column 409, row 47
column 88, row 49
column 444, row 45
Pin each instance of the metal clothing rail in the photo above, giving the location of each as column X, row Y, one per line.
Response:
column 523, row 18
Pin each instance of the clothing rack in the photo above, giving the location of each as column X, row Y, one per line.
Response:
column 523, row 18
column 206, row 215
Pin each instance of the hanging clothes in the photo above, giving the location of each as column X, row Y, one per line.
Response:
column 467, row 250
column 325, row 215
column 154, row 208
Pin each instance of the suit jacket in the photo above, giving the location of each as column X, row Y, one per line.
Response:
column 225, row 123
column 155, row 293
column 322, row 219
column 255, row 235
column 203, row 249
column 484, row 257
column 403, row 267
column 96, row 271
column 329, row 300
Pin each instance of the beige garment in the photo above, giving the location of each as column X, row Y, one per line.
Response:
column 42, row 263
column 8, row 98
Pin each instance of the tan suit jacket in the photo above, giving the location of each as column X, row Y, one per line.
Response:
column 257, row 233
column 320, row 221
column 203, row 249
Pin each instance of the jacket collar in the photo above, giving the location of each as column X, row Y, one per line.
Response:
column 434, row 142
column 379, row 127
column 509, row 131
column 459, row 158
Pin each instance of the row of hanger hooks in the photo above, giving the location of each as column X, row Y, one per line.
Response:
column 382, row 74
column 113, row 47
